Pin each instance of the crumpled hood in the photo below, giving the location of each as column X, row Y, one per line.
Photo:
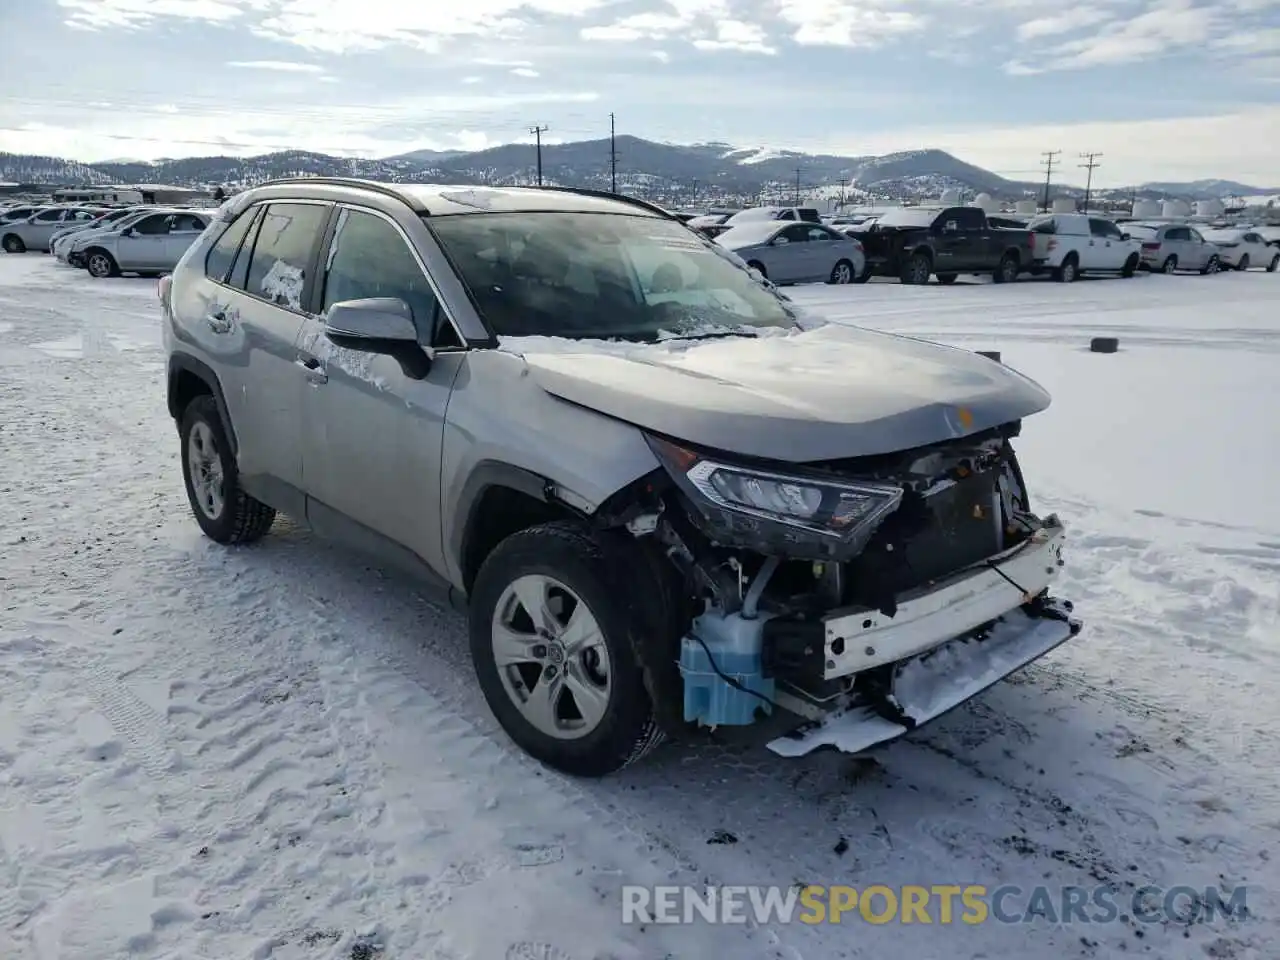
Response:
column 822, row 394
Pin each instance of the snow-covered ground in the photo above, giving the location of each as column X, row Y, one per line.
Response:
column 280, row 751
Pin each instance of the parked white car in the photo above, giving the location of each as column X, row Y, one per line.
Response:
column 1069, row 244
column 103, row 222
column 1242, row 249
column 34, row 232
column 152, row 244
column 70, row 248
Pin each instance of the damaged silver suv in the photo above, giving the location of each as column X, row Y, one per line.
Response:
column 668, row 499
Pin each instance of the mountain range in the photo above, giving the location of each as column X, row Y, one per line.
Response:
column 670, row 172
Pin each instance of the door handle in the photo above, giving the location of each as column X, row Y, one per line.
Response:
column 313, row 369
column 218, row 321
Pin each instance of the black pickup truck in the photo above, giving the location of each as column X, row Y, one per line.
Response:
column 913, row 243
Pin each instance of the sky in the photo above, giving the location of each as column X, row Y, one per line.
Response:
column 1163, row 89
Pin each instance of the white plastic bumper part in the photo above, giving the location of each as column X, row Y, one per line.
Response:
column 858, row 640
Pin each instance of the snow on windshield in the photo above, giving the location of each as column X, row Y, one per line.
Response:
column 908, row 218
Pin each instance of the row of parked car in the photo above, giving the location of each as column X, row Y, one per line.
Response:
column 106, row 241
column 794, row 245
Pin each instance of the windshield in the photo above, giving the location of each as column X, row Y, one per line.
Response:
column 750, row 233
column 1224, row 236
column 602, row 276
column 908, row 218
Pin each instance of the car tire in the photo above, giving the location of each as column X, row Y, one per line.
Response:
column 577, row 571
column 1170, row 264
column 758, row 266
column 12, row 243
column 1007, row 271
column 948, row 278
column 841, row 273
column 917, row 269
column 101, row 264
column 1244, row 263
column 1213, row 266
column 224, row 511
column 1274, row 265
column 1130, row 266
column 1069, row 270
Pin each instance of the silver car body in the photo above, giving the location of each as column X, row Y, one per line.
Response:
column 794, row 252
column 1173, row 246
column 70, row 246
column 152, row 243
column 399, row 453
column 35, row 232
column 1237, row 245
column 104, row 221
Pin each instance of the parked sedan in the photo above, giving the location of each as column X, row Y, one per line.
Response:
column 797, row 252
column 1242, row 249
column 35, row 232
column 105, row 219
column 152, row 244
column 1168, row 247
column 70, row 248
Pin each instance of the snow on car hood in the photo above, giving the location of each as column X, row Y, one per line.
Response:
column 797, row 396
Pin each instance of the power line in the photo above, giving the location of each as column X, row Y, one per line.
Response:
column 538, row 132
column 1090, row 162
column 1050, row 158
column 613, row 155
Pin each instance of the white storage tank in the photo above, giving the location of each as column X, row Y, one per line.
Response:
column 950, row 198
column 1064, row 205
column 1146, row 208
column 1209, row 208
column 1026, row 208
column 986, row 202
column 1175, row 208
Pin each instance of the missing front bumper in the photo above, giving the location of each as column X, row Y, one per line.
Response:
column 928, row 685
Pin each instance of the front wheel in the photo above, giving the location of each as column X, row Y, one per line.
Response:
column 13, row 244
column 1130, row 266
column 101, row 264
column 917, row 269
column 1213, row 266
column 1069, row 270
column 842, row 272
column 224, row 511
column 1274, row 265
column 554, row 640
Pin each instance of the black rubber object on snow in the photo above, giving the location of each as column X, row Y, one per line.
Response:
column 599, row 568
column 243, row 519
column 1104, row 345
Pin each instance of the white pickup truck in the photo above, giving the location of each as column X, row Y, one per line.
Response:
column 1069, row 244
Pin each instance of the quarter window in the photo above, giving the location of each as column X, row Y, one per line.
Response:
column 282, row 250
column 369, row 258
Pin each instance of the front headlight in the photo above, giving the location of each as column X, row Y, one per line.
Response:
column 737, row 501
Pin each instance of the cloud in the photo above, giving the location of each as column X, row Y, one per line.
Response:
column 524, row 72
column 661, row 56
column 1265, row 41
column 736, row 35
column 839, row 23
column 1072, row 18
column 707, row 24
column 281, row 66
column 102, row 14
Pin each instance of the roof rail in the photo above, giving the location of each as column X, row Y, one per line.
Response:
column 606, row 195
column 371, row 185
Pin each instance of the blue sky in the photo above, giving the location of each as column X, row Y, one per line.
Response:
column 1165, row 89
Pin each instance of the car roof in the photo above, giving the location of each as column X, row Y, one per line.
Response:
column 439, row 199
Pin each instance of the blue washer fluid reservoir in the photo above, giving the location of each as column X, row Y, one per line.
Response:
column 735, row 644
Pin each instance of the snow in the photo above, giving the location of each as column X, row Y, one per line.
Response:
column 280, row 752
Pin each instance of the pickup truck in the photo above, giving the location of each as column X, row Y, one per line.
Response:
column 914, row 243
column 1069, row 244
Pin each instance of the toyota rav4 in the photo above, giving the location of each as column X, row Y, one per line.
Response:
column 667, row 498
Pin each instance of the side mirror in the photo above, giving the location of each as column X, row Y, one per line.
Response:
column 779, row 241
column 1125, row 236
column 127, row 232
column 379, row 325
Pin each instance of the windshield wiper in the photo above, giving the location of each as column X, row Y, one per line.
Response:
column 712, row 335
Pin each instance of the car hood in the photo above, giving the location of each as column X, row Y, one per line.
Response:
column 822, row 394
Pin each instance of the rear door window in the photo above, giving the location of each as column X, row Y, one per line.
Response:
column 152, row 226
column 283, row 250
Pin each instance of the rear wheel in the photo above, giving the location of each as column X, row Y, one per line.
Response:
column 1244, row 263
column 13, row 244
column 1069, row 270
column 1170, row 264
column 224, row 511
column 1130, row 266
column 554, row 640
column 757, row 265
column 1213, row 266
column 917, row 269
column 1274, row 264
column 1007, row 271
column 842, row 272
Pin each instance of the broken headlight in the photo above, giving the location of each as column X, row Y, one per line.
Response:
column 748, row 501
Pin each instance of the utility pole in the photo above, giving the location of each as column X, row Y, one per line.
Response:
column 844, row 182
column 693, row 192
column 797, row 186
column 538, row 132
column 613, row 155
column 1090, row 162
column 1050, row 158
